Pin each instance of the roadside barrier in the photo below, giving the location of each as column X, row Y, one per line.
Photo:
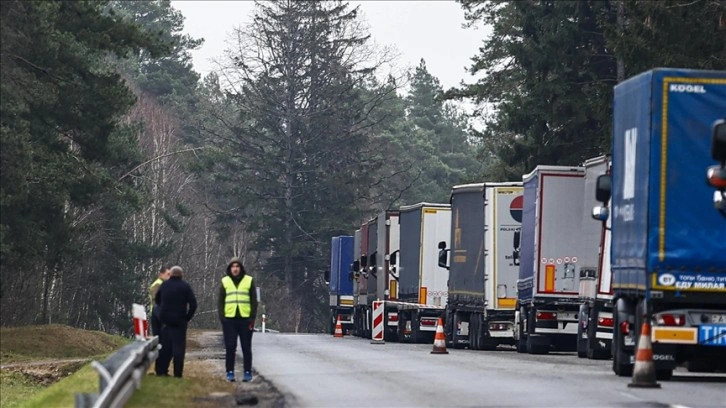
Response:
column 122, row 371
column 377, row 332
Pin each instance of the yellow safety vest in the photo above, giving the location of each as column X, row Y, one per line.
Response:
column 157, row 282
column 237, row 296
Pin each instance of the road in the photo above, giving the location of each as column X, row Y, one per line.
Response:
column 321, row 371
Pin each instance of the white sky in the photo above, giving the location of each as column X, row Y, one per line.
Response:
column 416, row 29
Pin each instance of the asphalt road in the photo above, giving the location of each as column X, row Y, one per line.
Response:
column 321, row 371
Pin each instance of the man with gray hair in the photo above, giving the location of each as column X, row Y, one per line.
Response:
column 177, row 304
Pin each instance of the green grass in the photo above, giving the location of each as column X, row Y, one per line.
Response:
column 16, row 387
column 28, row 386
column 163, row 392
column 62, row 393
column 54, row 341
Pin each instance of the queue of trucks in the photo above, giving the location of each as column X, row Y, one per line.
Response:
column 570, row 258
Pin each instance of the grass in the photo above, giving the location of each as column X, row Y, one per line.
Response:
column 28, row 386
column 16, row 387
column 198, row 382
column 54, row 341
column 62, row 393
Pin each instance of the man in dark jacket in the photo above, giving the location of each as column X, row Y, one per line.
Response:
column 177, row 304
column 237, row 309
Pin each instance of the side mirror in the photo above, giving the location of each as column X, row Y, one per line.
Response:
column 442, row 245
column 393, row 258
column 718, row 141
column 363, row 261
column 716, row 177
column 355, row 267
column 603, row 188
column 372, row 260
column 326, row 276
column 444, row 258
column 600, row 213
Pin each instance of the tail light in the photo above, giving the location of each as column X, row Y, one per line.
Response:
column 670, row 319
column 427, row 322
column 625, row 328
column 605, row 321
column 393, row 317
column 546, row 316
column 498, row 326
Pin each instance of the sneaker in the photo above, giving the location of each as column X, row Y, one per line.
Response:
column 248, row 376
column 230, row 376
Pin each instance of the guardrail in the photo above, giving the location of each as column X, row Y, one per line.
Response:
column 121, row 374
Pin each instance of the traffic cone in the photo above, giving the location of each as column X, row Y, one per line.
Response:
column 338, row 329
column 644, row 369
column 439, row 339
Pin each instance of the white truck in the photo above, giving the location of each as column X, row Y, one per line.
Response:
column 485, row 218
column 554, row 249
column 422, row 285
column 595, row 329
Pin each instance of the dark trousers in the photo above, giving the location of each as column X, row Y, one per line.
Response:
column 155, row 326
column 234, row 329
column 173, row 344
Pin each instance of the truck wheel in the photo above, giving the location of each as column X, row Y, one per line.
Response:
column 663, row 375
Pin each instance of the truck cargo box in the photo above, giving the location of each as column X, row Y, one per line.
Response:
column 669, row 237
column 341, row 257
column 553, row 245
column 422, row 227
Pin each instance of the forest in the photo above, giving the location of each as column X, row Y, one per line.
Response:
column 117, row 157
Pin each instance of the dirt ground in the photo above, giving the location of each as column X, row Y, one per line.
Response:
column 46, row 372
column 207, row 347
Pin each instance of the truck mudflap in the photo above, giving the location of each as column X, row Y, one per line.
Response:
column 664, row 356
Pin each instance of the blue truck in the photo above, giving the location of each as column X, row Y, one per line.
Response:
column 340, row 282
column 668, row 250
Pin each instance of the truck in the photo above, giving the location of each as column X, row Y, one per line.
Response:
column 555, row 248
column 485, row 217
column 595, row 328
column 422, row 285
column 379, row 238
column 340, row 282
column 668, row 252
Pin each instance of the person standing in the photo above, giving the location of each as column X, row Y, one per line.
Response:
column 237, row 309
column 177, row 305
column 164, row 273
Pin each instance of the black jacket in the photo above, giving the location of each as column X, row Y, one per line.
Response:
column 223, row 295
column 176, row 302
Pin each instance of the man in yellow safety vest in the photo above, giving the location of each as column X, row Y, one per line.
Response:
column 164, row 274
column 237, row 308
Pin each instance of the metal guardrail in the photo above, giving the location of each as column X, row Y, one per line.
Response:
column 121, row 374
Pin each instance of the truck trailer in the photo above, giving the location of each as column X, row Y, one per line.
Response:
column 340, row 282
column 422, row 285
column 595, row 329
column 555, row 249
column 378, row 239
column 485, row 218
column 668, row 254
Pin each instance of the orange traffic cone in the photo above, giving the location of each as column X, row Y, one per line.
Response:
column 644, row 369
column 439, row 339
column 338, row 329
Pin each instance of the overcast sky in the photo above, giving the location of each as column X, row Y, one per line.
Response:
column 417, row 29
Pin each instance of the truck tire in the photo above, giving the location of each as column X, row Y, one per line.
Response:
column 663, row 375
